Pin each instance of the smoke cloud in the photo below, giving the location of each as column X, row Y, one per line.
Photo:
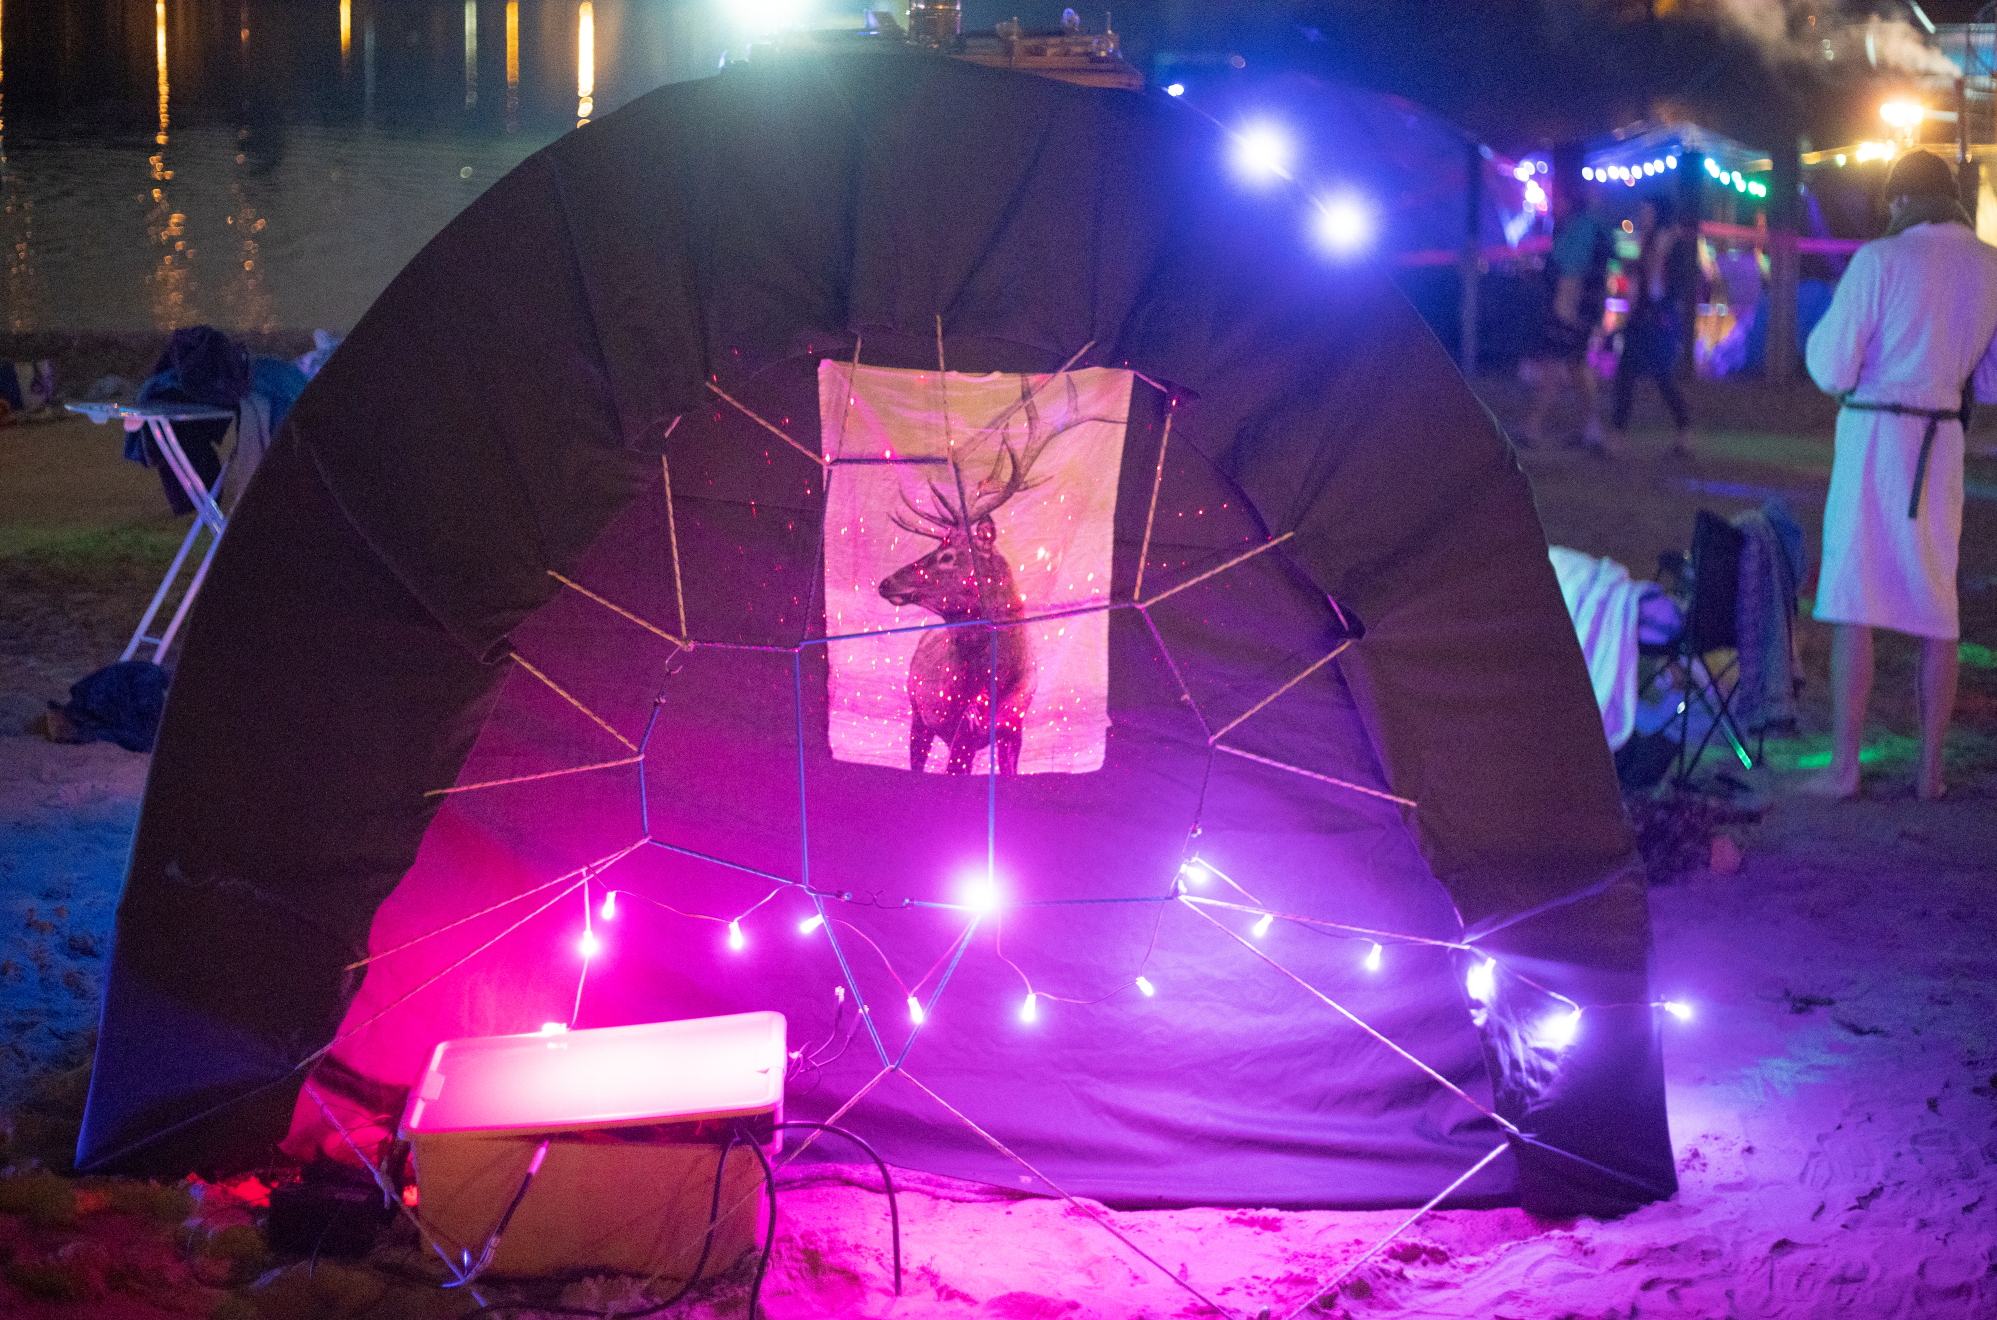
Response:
column 1785, row 32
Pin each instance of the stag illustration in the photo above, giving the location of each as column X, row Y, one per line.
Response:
column 971, row 685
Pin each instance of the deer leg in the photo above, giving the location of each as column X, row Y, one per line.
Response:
column 919, row 738
column 964, row 747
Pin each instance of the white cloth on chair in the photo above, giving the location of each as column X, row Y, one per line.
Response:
column 1607, row 608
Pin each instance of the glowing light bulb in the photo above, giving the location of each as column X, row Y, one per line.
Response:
column 553, row 1028
column 1670, row 162
column 1344, row 224
column 609, row 912
column 1679, row 1009
column 1194, row 871
column 1373, row 956
column 1262, row 152
column 736, row 941
column 915, row 1013
column 981, row 895
column 810, row 924
column 1482, row 981
column 1903, row 115
column 1145, row 985
column 1587, row 171
column 1030, row 1010
column 589, row 946
column 1175, row 89
column 1261, row 927
column 1557, row 1030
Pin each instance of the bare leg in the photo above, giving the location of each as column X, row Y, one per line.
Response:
column 1934, row 692
column 1584, row 380
column 1851, row 689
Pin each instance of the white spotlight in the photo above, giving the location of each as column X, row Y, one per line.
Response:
column 1262, row 152
column 1175, row 89
column 1344, row 224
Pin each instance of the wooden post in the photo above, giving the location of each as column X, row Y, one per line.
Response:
column 1471, row 264
column 1784, row 187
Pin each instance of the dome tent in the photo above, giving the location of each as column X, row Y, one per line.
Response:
column 551, row 531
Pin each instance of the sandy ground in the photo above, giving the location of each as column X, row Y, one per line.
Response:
column 1833, row 1102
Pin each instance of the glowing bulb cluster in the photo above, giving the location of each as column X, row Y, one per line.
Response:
column 1633, row 174
column 1903, row 115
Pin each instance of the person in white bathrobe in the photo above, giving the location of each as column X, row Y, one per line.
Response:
column 1908, row 335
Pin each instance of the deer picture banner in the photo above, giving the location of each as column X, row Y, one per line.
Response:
column 961, row 512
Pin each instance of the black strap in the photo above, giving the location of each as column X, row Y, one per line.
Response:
column 1935, row 416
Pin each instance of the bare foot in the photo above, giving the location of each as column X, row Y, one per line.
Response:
column 1832, row 783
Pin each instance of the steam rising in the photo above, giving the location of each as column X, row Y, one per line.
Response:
column 1782, row 28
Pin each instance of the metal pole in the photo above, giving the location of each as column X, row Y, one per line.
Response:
column 1783, row 191
column 1473, row 257
column 1968, row 175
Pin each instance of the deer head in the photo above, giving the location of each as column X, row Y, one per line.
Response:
column 966, row 577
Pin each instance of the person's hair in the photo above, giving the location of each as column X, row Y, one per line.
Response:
column 1920, row 174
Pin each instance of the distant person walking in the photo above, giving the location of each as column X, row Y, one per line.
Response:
column 1664, row 279
column 1578, row 270
column 1905, row 346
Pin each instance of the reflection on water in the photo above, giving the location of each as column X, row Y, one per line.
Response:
column 167, row 162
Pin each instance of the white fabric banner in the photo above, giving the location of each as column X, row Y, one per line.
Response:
column 957, row 498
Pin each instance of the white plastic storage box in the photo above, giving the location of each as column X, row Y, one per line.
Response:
column 635, row 1117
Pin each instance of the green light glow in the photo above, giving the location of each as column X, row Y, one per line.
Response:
column 1976, row 657
column 1819, row 760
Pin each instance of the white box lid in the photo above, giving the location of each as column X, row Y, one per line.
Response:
column 654, row 1072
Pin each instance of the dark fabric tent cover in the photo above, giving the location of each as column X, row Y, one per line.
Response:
column 500, row 413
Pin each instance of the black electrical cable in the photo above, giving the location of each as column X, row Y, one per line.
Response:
column 894, row 1211
column 769, row 1234
column 706, row 1246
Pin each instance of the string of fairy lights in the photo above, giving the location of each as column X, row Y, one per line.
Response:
column 1198, row 886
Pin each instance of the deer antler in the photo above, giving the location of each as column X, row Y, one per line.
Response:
column 947, row 520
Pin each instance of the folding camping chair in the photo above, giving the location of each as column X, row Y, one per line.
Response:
column 1709, row 627
column 159, row 420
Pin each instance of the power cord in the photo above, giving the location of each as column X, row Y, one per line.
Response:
column 894, row 1210
column 736, row 1136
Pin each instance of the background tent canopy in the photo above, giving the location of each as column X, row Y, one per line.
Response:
column 591, row 521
